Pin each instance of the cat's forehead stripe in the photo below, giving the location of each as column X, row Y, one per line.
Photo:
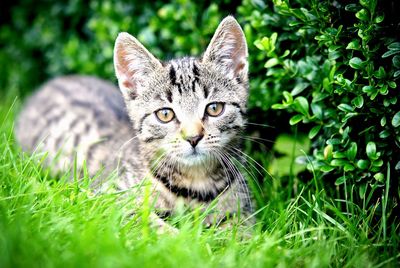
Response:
column 184, row 74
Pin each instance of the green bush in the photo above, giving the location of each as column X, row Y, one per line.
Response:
column 46, row 39
column 336, row 67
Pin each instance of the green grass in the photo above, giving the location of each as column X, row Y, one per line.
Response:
column 50, row 222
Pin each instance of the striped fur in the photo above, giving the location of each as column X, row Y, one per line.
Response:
column 87, row 116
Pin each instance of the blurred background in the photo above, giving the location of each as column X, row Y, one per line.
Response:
column 324, row 110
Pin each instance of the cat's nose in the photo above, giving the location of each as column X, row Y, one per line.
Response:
column 194, row 140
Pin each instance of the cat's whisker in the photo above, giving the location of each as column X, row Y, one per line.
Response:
column 249, row 172
column 237, row 175
column 258, row 124
column 256, row 139
column 253, row 160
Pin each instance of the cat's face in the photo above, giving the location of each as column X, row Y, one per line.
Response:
column 187, row 110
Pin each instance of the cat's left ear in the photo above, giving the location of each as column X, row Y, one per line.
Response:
column 228, row 49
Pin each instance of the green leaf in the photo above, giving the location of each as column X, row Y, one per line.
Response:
column 348, row 167
column 299, row 88
column 352, row 151
column 396, row 61
column 356, row 63
column 371, row 150
column 394, row 46
column 380, row 73
column 362, row 190
column 384, row 134
column 295, row 119
column 271, row 63
column 354, row 45
column 379, row 177
column 345, row 107
column 363, row 164
column 314, row 131
column 383, row 121
column 392, row 84
column 396, row 119
column 288, row 97
column 328, row 152
column 339, row 162
column 362, row 15
column 340, row 180
column 326, row 168
column 379, row 19
column 358, row 101
column 301, row 105
column 390, row 53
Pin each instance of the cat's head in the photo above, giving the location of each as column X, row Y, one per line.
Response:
column 189, row 110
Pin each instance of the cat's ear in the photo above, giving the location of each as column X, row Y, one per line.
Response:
column 228, row 49
column 133, row 63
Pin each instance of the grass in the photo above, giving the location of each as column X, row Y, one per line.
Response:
column 54, row 222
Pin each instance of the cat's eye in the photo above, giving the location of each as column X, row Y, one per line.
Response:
column 165, row 115
column 215, row 109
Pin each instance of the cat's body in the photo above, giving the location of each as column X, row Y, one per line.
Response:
column 186, row 115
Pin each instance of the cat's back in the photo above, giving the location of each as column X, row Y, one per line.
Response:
column 73, row 114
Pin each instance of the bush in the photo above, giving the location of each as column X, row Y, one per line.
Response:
column 46, row 39
column 336, row 67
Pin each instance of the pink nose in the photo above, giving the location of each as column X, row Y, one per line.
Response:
column 194, row 140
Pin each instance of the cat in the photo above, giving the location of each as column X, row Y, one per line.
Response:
column 177, row 123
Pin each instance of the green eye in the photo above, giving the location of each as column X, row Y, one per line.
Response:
column 165, row 115
column 215, row 109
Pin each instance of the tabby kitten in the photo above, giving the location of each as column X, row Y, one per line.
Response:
column 177, row 123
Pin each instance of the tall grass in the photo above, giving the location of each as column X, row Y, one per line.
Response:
column 48, row 221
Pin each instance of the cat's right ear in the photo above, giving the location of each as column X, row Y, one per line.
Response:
column 133, row 63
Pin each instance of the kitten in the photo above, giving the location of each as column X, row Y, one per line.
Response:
column 176, row 123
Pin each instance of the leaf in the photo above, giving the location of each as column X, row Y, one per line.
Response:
column 352, row 151
column 301, row 105
column 362, row 15
column 314, row 131
column 326, row 168
column 348, row 167
column 394, row 46
column 379, row 19
column 383, row 121
column 345, row 107
column 379, row 177
column 299, row 88
column 384, row 134
column 340, row 180
column 288, row 97
column 358, row 101
column 317, row 110
column 356, row 63
column 396, row 61
column 355, row 45
column 295, row 119
column 339, row 162
column 328, row 152
column 371, row 150
column 362, row 190
column 390, row 53
column 271, row 63
column 396, row 119
column 363, row 164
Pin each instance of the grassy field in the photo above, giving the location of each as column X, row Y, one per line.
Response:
column 53, row 222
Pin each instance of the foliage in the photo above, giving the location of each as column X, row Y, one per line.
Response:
column 337, row 67
column 47, row 38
